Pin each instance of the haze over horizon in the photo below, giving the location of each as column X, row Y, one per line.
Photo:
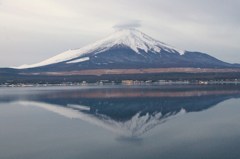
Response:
column 32, row 31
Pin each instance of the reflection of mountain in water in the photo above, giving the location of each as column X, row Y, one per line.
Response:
column 127, row 111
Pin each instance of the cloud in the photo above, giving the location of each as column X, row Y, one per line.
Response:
column 128, row 24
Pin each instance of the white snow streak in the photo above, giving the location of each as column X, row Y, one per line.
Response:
column 79, row 60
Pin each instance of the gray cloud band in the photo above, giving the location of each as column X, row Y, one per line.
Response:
column 128, row 25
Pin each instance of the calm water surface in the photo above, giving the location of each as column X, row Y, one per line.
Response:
column 119, row 122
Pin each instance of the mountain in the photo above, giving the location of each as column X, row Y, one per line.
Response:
column 127, row 54
column 127, row 49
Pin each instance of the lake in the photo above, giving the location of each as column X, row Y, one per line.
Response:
column 120, row 122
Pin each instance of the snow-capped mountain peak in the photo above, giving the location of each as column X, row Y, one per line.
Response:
column 132, row 38
column 136, row 40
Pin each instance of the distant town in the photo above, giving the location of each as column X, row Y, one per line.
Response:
column 124, row 82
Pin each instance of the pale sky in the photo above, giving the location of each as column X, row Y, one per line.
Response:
column 34, row 30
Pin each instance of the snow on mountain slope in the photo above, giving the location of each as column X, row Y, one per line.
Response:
column 79, row 60
column 131, row 38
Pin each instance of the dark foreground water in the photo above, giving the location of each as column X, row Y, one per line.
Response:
column 120, row 122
